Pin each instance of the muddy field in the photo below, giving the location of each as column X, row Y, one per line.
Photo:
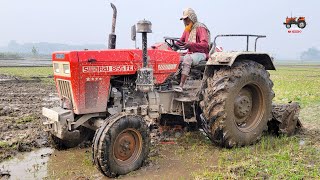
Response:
column 21, row 102
column 25, row 151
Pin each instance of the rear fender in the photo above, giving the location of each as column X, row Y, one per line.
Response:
column 228, row 58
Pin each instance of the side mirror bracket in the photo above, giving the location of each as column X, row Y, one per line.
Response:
column 134, row 35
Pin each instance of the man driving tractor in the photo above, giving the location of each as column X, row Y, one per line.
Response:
column 196, row 37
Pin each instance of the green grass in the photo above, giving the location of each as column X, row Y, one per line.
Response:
column 300, row 84
column 29, row 72
column 26, row 119
column 271, row 158
column 278, row 157
column 4, row 144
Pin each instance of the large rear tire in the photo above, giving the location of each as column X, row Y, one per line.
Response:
column 302, row 24
column 237, row 103
column 121, row 147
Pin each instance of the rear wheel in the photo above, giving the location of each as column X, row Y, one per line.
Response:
column 302, row 24
column 237, row 103
column 121, row 147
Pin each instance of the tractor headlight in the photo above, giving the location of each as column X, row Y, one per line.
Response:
column 66, row 69
column 56, row 67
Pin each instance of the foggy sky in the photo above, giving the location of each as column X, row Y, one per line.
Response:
column 84, row 21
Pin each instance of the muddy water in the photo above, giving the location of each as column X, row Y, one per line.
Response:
column 165, row 162
column 168, row 162
column 31, row 165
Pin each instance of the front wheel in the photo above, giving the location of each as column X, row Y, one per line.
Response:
column 237, row 103
column 288, row 26
column 121, row 147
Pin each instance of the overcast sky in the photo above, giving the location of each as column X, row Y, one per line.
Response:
column 84, row 21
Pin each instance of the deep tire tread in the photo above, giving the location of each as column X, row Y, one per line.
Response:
column 218, row 86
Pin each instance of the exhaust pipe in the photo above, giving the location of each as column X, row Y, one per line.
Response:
column 144, row 80
column 112, row 35
column 144, row 27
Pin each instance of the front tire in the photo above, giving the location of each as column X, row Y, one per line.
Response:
column 121, row 147
column 237, row 103
column 288, row 26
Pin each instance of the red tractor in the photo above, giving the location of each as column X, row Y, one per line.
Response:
column 301, row 22
column 121, row 94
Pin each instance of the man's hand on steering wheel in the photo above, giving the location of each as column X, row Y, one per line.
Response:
column 186, row 45
column 176, row 44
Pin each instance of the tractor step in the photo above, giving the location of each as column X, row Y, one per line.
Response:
column 186, row 99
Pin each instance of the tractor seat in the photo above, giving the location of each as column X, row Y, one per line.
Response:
column 200, row 66
column 202, row 63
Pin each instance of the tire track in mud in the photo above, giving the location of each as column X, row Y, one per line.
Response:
column 20, row 115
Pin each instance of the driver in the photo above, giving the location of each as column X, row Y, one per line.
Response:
column 196, row 37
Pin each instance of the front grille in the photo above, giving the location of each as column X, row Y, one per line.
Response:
column 92, row 90
column 65, row 89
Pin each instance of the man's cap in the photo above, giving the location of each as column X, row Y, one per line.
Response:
column 187, row 13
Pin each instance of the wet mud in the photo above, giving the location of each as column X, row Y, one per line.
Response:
column 20, row 115
column 165, row 162
column 31, row 165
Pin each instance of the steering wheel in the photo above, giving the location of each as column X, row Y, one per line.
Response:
column 175, row 43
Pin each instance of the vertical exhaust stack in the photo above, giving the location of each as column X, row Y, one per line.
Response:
column 145, row 74
column 144, row 27
column 112, row 35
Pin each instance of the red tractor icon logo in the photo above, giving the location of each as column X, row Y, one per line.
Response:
column 300, row 22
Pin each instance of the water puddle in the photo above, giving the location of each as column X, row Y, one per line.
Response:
column 165, row 162
column 32, row 165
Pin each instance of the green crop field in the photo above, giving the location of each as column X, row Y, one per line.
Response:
column 296, row 157
column 26, row 73
column 297, row 83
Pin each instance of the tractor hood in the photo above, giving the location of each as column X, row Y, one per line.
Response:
column 83, row 77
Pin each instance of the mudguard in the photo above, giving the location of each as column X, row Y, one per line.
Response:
column 228, row 58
